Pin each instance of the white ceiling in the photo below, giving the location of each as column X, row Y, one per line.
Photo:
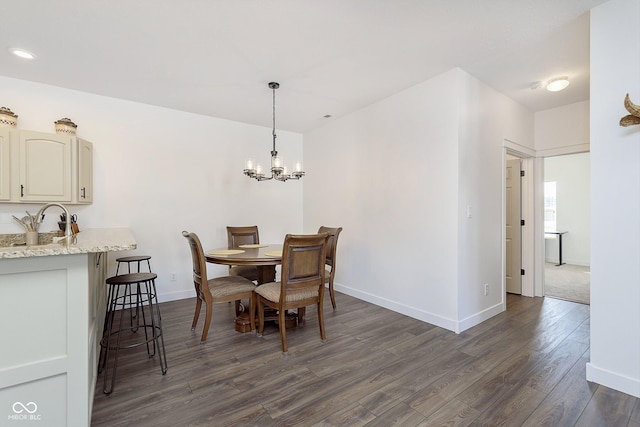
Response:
column 215, row 57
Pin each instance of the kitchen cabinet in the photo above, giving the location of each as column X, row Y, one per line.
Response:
column 84, row 188
column 43, row 167
column 5, row 163
column 52, row 306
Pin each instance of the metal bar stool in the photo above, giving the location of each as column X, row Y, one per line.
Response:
column 120, row 288
column 137, row 259
column 133, row 259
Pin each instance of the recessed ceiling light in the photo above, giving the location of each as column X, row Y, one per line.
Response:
column 22, row 53
column 559, row 83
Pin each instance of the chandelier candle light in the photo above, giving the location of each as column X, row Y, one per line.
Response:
column 278, row 169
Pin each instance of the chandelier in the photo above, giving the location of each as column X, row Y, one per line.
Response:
column 278, row 169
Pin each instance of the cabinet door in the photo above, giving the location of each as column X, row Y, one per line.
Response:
column 85, row 172
column 5, row 164
column 45, row 167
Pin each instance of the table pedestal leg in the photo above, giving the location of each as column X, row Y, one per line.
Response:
column 266, row 274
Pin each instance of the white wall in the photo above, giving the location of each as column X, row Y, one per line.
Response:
column 160, row 171
column 389, row 178
column 572, row 176
column 562, row 130
column 402, row 172
column 615, row 198
column 486, row 119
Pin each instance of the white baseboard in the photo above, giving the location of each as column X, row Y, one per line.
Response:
column 434, row 319
column 581, row 263
column 398, row 307
column 177, row 295
column 613, row 380
column 480, row 317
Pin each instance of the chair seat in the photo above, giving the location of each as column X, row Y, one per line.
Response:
column 221, row 287
column 248, row 271
column 271, row 291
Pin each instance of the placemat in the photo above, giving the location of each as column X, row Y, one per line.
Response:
column 225, row 252
column 253, row 245
column 273, row 253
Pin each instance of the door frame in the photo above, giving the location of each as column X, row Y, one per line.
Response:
column 513, row 206
column 528, row 243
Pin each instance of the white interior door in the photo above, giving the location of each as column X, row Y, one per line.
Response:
column 513, row 245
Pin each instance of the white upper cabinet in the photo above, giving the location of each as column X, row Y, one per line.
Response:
column 5, row 164
column 84, row 189
column 43, row 167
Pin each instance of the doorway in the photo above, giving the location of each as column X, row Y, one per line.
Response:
column 567, row 227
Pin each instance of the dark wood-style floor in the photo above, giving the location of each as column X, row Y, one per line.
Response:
column 525, row 366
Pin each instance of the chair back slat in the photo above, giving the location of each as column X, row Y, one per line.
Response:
column 237, row 236
column 303, row 262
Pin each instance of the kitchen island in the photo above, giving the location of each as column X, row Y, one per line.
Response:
column 52, row 304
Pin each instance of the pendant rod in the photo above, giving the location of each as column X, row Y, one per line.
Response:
column 274, row 86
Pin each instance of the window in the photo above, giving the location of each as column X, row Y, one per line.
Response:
column 550, row 206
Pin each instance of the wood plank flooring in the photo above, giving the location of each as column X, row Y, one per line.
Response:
column 524, row 367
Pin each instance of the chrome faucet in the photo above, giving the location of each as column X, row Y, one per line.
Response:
column 67, row 230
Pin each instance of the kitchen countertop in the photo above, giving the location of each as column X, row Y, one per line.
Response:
column 86, row 241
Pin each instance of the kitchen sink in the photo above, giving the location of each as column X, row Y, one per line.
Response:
column 18, row 240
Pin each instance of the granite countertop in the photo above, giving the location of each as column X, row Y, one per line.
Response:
column 86, row 241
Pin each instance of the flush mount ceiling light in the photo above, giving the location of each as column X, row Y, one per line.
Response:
column 22, row 53
column 557, row 84
column 278, row 168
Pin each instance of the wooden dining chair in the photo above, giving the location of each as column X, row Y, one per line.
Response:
column 237, row 236
column 219, row 289
column 332, row 246
column 301, row 282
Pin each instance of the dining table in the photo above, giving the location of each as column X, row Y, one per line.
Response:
column 263, row 256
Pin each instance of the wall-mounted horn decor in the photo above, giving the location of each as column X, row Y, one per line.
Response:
column 634, row 117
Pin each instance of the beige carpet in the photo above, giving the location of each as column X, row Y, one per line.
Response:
column 567, row 282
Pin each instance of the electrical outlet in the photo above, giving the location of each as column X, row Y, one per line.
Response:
column 173, row 277
column 486, row 289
